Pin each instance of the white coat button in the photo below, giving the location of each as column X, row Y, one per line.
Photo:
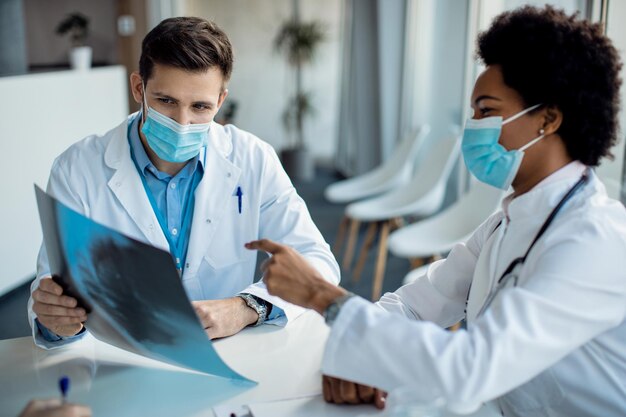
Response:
column 151, row 226
column 174, row 232
column 173, row 185
column 229, row 175
column 187, row 265
column 208, row 221
column 118, row 184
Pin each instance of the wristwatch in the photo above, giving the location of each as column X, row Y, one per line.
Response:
column 332, row 311
column 257, row 304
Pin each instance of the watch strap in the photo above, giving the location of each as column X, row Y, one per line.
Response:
column 257, row 304
column 333, row 309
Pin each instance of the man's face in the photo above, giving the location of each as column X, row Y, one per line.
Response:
column 186, row 97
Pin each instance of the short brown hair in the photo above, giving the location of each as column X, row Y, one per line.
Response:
column 189, row 43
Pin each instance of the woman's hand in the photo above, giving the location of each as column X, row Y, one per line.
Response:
column 340, row 391
column 289, row 276
column 54, row 408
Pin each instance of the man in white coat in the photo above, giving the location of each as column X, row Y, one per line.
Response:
column 170, row 176
column 541, row 284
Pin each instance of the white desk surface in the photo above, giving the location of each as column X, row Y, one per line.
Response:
column 284, row 361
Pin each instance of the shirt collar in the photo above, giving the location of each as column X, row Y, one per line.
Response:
column 545, row 195
column 144, row 163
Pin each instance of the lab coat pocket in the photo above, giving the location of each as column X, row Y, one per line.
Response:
column 539, row 394
column 238, row 226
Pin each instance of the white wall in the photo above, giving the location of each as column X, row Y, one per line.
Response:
column 42, row 114
column 391, row 33
column 611, row 170
column 438, row 71
column 262, row 82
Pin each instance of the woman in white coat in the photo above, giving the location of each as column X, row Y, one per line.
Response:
column 173, row 178
column 541, row 284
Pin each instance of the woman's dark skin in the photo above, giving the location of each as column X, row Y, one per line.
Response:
column 492, row 97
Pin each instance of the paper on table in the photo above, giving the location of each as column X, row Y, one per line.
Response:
column 305, row 406
column 131, row 290
column 311, row 407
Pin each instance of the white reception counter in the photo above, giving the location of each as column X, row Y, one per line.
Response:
column 42, row 114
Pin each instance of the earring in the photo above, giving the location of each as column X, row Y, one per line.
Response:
column 541, row 131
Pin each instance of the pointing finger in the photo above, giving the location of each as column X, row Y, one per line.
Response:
column 380, row 399
column 265, row 245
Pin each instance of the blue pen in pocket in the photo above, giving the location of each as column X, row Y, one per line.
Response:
column 239, row 194
column 64, row 387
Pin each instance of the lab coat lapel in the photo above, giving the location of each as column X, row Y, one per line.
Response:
column 212, row 197
column 128, row 188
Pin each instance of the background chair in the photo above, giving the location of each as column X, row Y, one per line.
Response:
column 396, row 171
column 393, row 173
column 422, row 197
column 438, row 234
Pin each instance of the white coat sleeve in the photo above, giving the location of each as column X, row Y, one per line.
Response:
column 285, row 219
column 440, row 294
column 60, row 188
column 574, row 291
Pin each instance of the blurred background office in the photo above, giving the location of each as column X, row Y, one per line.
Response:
column 375, row 91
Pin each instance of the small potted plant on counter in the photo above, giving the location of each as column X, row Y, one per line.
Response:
column 76, row 25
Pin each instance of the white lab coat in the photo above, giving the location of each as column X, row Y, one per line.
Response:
column 555, row 345
column 98, row 178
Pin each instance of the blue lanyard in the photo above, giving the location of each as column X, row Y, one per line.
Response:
column 179, row 250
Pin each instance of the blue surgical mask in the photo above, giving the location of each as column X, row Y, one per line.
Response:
column 170, row 140
column 489, row 161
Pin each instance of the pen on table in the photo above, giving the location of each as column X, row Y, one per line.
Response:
column 64, row 386
column 248, row 414
column 239, row 194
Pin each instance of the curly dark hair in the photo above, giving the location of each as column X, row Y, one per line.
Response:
column 552, row 58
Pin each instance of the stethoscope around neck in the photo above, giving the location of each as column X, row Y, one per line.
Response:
column 511, row 273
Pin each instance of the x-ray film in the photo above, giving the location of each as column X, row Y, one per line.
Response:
column 131, row 290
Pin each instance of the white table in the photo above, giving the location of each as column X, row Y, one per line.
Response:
column 285, row 363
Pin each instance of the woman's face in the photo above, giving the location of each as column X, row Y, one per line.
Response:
column 491, row 97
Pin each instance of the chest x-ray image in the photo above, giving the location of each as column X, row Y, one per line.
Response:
column 131, row 290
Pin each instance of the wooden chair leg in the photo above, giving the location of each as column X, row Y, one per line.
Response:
column 455, row 327
column 341, row 235
column 435, row 258
column 416, row 262
column 381, row 262
column 367, row 244
column 354, row 231
column 396, row 223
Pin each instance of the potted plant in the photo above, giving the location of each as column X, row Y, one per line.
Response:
column 299, row 42
column 76, row 25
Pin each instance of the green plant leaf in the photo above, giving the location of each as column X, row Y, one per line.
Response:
column 299, row 41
